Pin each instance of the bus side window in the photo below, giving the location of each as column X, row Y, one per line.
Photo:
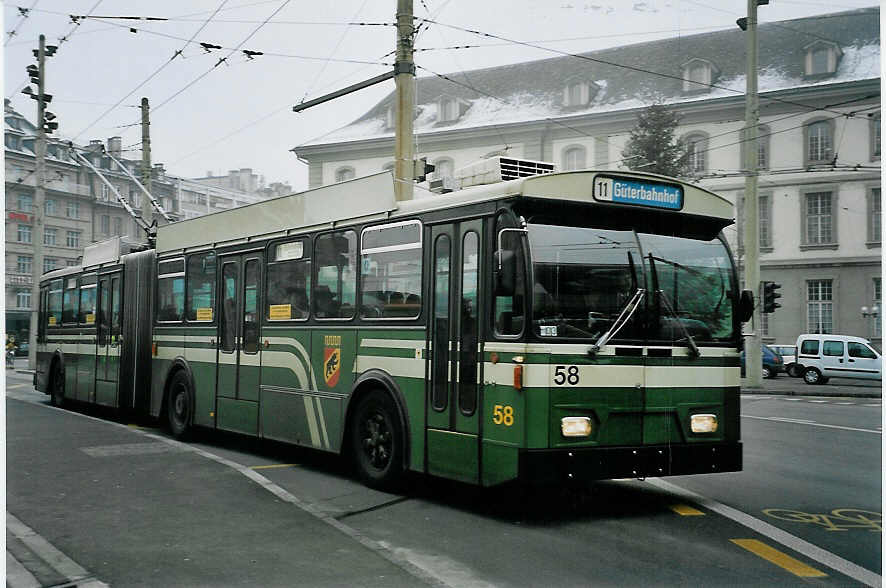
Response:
column 55, row 304
column 510, row 309
column 336, row 285
column 201, row 287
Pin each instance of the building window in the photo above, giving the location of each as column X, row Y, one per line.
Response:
column 118, row 226
column 875, row 136
column 696, row 153
column 49, row 264
column 820, row 306
column 344, row 173
column 698, row 75
column 574, row 158
column 878, row 302
column 448, row 110
column 23, row 299
column 577, row 93
column 105, row 224
column 764, row 212
column 25, row 202
column 443, row 168
column 70, row 262
column 49, row 207
column 875, row 216
column 105, row 192
column 23, row 264
column 822, row 58
column 23, row 234
column 819, row 142
column 72, row 210
column 12, row 142
column 50, row 236
column 819, row 222
column 73, row 239
column 763, row 135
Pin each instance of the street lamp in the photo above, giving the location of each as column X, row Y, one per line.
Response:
column 872, row 313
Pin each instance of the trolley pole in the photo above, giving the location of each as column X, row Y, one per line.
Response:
column 39, row 198
column 146, row 160
column 404, row 78
column 754, row 342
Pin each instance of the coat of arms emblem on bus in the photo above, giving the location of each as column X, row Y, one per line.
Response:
column 332, row 359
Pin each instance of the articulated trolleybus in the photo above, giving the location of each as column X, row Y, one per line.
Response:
column 548, row 328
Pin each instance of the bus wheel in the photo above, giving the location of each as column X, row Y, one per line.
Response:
column 57, row 383
column 812, row 376
column 179, row 405
column 377, row 440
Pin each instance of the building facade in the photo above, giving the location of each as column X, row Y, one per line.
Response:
column 818, row 153
column 80, row 209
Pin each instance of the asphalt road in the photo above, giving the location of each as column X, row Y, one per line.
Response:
column 134, row 508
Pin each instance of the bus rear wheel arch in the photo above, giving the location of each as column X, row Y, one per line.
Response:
column 376, row 440
column 179, row 404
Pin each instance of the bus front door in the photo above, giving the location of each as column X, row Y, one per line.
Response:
column 452, row 408
column 239, row 351
column 108, row 344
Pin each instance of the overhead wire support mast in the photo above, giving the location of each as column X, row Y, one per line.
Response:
column 157, row 205
column 150, row 230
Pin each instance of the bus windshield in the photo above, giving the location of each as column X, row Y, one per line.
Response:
column 585, row 279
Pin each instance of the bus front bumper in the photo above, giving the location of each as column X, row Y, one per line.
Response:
column 551, row 466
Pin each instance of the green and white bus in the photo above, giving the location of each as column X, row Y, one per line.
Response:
column 549, row 328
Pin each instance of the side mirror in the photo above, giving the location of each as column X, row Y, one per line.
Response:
column 505, row 273
column 746, row 306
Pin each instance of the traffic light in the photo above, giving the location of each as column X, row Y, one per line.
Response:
column 770, row 294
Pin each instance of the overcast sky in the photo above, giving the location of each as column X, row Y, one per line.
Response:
column 212, row 111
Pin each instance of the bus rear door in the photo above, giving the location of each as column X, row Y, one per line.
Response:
column 452, row 406
column 108, row 345
column 239, row 357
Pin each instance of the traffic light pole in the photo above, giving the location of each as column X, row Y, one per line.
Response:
column 754, row 340
column 37, row 210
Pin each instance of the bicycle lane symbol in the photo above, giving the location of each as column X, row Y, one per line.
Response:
column 839, row 519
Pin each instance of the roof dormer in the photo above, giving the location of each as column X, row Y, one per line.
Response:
column 698, row 75
column 579, row 92
column 822, row 58
column 450, row 109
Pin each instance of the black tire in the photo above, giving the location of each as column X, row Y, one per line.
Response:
column 767, row 373
column 377, row 443
column 57, row 387
column 793, row 370
column 180, row 405
column 812, row 376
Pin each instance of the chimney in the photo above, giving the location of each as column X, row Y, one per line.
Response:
column 95, row 145
column 115, row 146
column 159, row 171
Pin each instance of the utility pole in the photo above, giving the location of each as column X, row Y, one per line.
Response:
column 754, row 342
column 146, row 160
column 39, row 198
column 404, row 78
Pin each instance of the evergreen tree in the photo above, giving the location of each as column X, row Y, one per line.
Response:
column 652, row 146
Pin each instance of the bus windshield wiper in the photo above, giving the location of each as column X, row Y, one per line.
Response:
column 693, row 348
column 623, row 318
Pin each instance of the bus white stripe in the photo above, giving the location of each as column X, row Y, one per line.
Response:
column 393, row 343
column 305, row 356
column 396, row 366
column 289, row 361
column 618, row 376
column 312, row 421
column 322, row 419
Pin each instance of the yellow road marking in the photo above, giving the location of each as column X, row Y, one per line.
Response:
column 275, row 465
column 686, row 511
column 780, row 559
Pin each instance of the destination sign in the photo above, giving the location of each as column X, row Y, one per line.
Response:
column 632, row 191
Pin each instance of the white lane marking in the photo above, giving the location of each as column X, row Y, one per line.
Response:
column 812, row 423
column 790, row 541
column 844, row 403
column 57, row 560
column 423, row 571
column 873, row 405
column 820, row 401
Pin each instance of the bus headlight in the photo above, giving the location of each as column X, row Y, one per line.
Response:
column 703, row 423
column 575, row 426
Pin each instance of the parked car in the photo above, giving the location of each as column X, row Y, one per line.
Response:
column 788, row 355
column 822, row 357
column 772, row 363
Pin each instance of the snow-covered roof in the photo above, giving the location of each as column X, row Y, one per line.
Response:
column 533, row 91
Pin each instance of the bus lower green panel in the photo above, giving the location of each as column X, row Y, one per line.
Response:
column 500, row 462
column 204, row 392
column 71, row 375
column 86, row 371
column 284, row 417
column 668, row 412
column 453, row 455
column 240, row 416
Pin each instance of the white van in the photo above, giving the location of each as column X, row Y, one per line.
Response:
column 822, row 357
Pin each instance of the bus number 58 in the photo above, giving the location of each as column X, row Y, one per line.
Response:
column 503, row 415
